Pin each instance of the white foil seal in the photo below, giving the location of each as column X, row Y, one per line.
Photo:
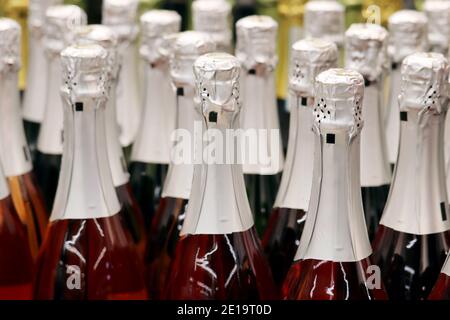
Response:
column 335, row 228
column 85, row 187
column 4, row 190
column 325, row 19
column 218, row 202
column 438, row 13
column 309, row 57
column 213, row 17
column 14, row 152
column 121, row 16
column 419, row 176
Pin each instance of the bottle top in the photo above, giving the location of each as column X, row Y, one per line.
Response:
column 103, row 36
column 188, row 46
column 156, row 25
column 61, row 20
column 424, row 82
column 36, row 12
column 438, row 13
column 339, row 100
column 121, row 15
column 213, row 17
column 325, row 19
column 256, row 42
column 217, row 84
column 309, row 57
column 408, row 33
column 84, row 71
column 366, row 49
column 9, row 45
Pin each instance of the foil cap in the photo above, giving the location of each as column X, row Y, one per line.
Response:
column 366, row 49
column 156, row 26
column 438, row 13
column 188, row 46
column 424, row 82
column 339, row 100
column 121, row 15
column 213, row 17
column 408, row 33
column 256, row 42
column 84, row 72
column 325, row 19
column 217, row 86
column 9, row 45
column 61, row 22
column 309, row 57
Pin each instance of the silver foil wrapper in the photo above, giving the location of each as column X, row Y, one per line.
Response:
column 438, row 13
column 309, row 57
column 256, row 42
column 156, row 28
column 122, row 15
column 325, row 19
column 61, row 22
column 188, row 46
column 408, row 33
column 9, row 45
column 366, row 49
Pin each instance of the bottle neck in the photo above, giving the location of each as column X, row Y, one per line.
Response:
column 50, row 140
column 179, row 176
column 259, row 115
column 419, row 177
column 153, row 143
column 335, row 229
column 218, row 203
column 14, row 152
column 295, row 187
column 85, row 188
column 375, row 169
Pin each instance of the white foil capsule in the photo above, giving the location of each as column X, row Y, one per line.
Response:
column 335, row 228
column 419, row 176
column 218, row 203
column 438, row 13
column 153, row 143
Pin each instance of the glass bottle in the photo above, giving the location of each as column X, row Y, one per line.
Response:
column 262, row 150
column 165, row 229
column 366, row 52
column 309, row 57
column 131, row 213
column 408, row 34
column 333, row 261
column 413, row 238
column 16, row 265
column 14, row 152
column 87, row 252
column 34, row 98
column 121, row 16
column 150, row 154
column 213, row 17
column 326, row 20
column 438, row 14
column 219, row 255
column 61, row 20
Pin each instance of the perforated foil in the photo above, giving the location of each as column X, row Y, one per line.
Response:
column 438, row 13
column 9, row 45
column 122, row 15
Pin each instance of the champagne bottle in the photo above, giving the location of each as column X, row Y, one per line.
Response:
column 262, row 150
column 213, row 17
column 131, row 213
column 165, row 229
column 14, row 152
column 87, row 252
column 438, row 14
column 151, row 152
column 16, row 265
column 333, row 261
column 121, row 17
column 61, row 20
column 413, row 237
column 366, row 53
column 219, row 255
column 408, row 34
column 308, row 58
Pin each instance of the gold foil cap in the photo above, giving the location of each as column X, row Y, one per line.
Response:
column 9, row 45
column 121, row 15
column 438, row 13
